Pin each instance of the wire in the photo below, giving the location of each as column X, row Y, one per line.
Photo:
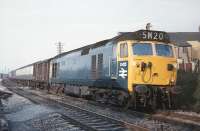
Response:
column 144, row 74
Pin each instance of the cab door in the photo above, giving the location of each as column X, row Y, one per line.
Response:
column 122, row 63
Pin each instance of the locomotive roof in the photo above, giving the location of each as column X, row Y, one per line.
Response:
column 179, row 38
column 95, row 45
column 122, row 36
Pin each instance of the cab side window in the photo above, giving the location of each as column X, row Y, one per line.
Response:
column 123, row 50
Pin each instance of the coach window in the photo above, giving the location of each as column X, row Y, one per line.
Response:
column 123, row 50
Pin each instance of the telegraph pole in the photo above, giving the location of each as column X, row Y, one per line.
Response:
column 59, row 47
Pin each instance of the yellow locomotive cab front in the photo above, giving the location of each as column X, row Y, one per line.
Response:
column 152, row 64
column 152, row 72
column 152, row 68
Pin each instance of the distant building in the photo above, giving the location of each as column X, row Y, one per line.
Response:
column 187, row 50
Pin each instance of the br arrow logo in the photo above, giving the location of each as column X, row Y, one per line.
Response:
column 123, row 73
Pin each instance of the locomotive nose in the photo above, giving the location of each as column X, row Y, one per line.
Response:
column 154, row 70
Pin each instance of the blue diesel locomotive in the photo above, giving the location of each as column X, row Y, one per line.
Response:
column 133, row 68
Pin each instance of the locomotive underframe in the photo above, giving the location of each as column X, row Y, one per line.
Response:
column 147, row 96
column 154, row 97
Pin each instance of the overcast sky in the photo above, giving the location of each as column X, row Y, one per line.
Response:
column 29, row 29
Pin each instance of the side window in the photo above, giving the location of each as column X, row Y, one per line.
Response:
column 54, row 70
column 123, row 50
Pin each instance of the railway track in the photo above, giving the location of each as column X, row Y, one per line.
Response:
column 173, row 116
column 87, row 119
column 56, row 121
column 149, row 121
